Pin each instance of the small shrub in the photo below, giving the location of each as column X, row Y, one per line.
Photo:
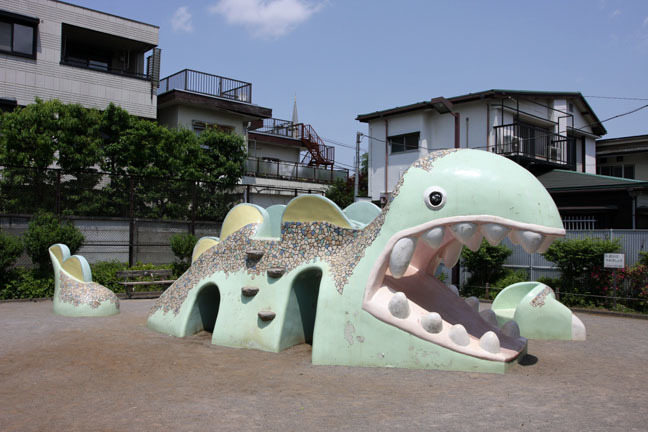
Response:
column 27, row 283
column 182, row 246
column 486, row 264
column 103, row 272
column 512, row 277
column 643, row 258
column 576, row 258
column 44, row 230
column 10, row 249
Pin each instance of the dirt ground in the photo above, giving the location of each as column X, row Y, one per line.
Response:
column 81, row 374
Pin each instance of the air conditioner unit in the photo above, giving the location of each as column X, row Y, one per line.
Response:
column 511, row 143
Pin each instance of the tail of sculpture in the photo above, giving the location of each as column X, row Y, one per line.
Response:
column 74, row 292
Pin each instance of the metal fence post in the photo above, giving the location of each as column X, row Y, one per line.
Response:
column 58, row 193
column 192, row 228
column 131, row 224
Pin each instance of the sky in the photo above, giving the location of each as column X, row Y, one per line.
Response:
column 341, row 58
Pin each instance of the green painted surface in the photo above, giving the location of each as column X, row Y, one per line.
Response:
column 538, row 318
column 477, row 183
column 81, row 308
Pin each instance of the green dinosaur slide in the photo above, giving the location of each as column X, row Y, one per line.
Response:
column 359, row 283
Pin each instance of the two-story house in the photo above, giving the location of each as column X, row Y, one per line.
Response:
column 553, row 134
column 51, row 49
column 285, row 159
column 540, row 130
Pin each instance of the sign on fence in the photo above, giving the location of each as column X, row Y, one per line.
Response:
column 614, row 260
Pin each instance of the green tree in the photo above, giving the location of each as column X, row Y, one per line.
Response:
column 486, row 265
column 341, row 192
column 577, row 257
column 27, row 148
column 44, row 230
column 10, row 249
column 182, row 246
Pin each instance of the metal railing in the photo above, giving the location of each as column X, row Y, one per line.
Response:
column 293, row 171
column 535, row 143
column 273, row 126
column 207, row 84
column 102, row 67
column 320, row 153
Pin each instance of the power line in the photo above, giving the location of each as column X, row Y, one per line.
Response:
column 617, row 97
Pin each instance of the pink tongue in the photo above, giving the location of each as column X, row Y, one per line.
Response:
column 432, row 295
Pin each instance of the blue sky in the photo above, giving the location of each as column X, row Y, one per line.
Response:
column 342, row 58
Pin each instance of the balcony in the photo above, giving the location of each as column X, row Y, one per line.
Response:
column 318, row 152
column 258, row 167
column 529, row 145
column 207, row 84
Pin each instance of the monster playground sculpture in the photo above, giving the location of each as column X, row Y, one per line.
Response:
column 75, row 294
column 359, row 283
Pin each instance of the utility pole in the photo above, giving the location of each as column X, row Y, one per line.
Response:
column 357, row 167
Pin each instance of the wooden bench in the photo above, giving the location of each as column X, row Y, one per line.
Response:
column 160, row 277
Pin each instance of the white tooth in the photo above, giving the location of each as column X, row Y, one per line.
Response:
column 451, row 253
column 399, row 305
column 434, row 237
column 513, row 236
column 545, row 244
column 530, row 240
column 511, row 329
column 459, row 335
column 464, row 231
column 578, row 329
column 490, row 342
column 494, row 233
column 401, row 256
column 473, row 302
column 432, row 322
column 453, row 288
column 489, row 316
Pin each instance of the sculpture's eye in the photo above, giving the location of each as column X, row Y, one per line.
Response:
column 435, row 197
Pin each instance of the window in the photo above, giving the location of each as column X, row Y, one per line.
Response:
column 103, row 52
column 18, row 34
column 622, row 171
column 199, row 126
column 405, row 142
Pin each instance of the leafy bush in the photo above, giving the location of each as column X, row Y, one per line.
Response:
column 512, row 277
column 576, row 258
column 486, row 264
column 104, row 273
column 44, row 230
column 27, row 283
column 182, row 246
column 10, row 249
column 643, row 258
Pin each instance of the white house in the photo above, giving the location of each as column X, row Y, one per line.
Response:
column 55, row 50
column 540, row 130
column 285, row 158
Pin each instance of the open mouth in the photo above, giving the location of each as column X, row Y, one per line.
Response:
column 402, row 290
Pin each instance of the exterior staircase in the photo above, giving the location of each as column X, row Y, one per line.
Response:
column 318, row 152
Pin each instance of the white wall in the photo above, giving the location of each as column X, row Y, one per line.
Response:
column 262, row 149
column 437, row 132
column 185, row 114
column 25, row 79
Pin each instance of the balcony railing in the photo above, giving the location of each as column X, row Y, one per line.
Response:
column 293, row 171
column 284, row 128
column 101, row 67
column 207, row 84
column 320, row 153
column 535, row 144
